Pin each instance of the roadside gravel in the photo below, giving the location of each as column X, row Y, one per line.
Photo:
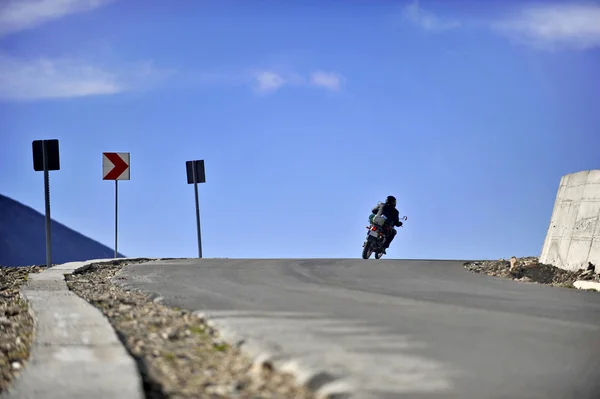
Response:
column 530, row 270
column 16, row 323
column 178, row 354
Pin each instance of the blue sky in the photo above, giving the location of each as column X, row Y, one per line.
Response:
column 306, row 114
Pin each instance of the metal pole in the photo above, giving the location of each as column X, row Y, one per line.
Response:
column 116, row 215
column 47, row 200
column 197, row 212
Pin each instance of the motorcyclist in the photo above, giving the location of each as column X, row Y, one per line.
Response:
column 388, row 209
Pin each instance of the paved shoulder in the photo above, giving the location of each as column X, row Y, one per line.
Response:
column 395, row 329
column 75, row 351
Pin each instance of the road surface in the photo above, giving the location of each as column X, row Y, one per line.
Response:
column 398, row 328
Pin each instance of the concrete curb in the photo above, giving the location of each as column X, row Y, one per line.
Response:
column 75, row 351
column 324, row 384
column 586, row 285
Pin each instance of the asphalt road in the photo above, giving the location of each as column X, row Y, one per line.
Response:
column 398, row 329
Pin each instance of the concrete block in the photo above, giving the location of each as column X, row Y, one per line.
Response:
column 586, row 285
column 574, row 193
column 578, row 179
column 574, row 230
column 592, row 191
column 568, row 223
column 553, row 252
column 594, row 255
column 563, row 251
column 594, row 177
column 578, row 253
column 561, row 212
column 587, row 219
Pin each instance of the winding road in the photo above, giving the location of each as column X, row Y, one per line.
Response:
column 396, row 328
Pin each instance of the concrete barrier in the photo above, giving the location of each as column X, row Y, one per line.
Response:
column 573, row 238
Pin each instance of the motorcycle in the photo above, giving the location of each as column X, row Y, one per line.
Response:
column 376, row 237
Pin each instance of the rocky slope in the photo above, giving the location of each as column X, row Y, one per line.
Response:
column 529, row 269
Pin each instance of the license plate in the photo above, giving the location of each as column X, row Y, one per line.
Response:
column 373, row 233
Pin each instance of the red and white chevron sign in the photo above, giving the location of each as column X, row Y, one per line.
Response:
column 115, row 166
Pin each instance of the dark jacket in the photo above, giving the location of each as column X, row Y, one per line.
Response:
column 391, row 213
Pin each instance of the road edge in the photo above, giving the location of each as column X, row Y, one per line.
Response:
column 323, row 383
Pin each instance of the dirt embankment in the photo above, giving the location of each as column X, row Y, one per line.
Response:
column 529, row 269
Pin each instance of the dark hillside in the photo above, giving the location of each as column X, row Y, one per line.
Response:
column 23, row 238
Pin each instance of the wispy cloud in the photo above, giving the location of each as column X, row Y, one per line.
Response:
column 426, row 19
column 45, row 78
column 326, row 80
column 269, row 81
column 542, row 25
column 554, row 26
column 17, row 15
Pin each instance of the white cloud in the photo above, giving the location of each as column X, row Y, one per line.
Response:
column 45, row 78
column 269, row 81
column 551, row 26
column 427, row 20
column 16, row 15
column 326, row 80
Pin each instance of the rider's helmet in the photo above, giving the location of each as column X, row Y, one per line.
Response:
column 391, row 200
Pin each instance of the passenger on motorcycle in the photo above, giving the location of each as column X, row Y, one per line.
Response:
column 388, row 209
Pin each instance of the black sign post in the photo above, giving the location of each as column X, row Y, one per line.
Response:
column 46, row 157
column 195, row 175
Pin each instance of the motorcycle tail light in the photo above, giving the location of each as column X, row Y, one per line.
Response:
column 374, row 228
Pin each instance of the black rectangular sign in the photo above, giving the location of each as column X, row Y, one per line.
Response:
column 51, row 151
column 199, row 166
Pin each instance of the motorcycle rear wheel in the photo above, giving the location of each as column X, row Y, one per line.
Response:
column 367, row 251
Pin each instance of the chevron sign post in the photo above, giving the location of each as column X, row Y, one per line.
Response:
column 115, row 166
